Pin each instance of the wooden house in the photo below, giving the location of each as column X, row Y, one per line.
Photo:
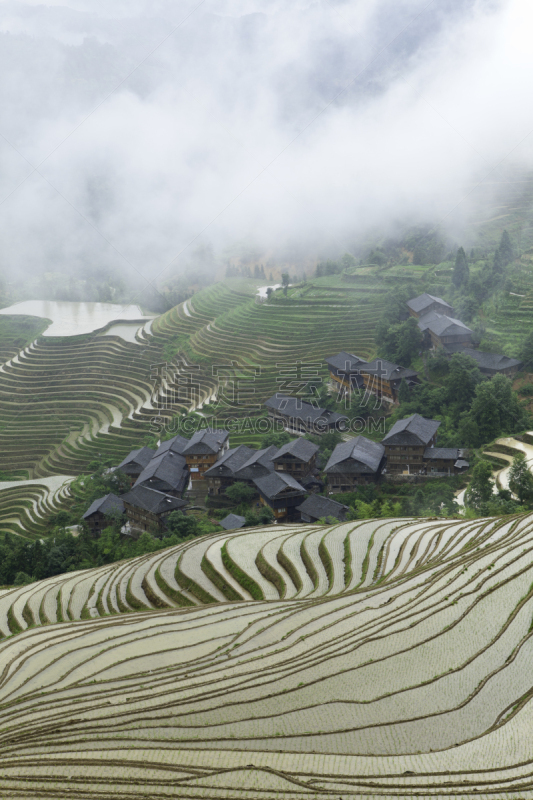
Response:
column 382, row 378
column 406, row 443
column 357, row 462
column 203, row 450
column 167, row 473
column 489, row 363
column 147, row 509
column 425, row 303
column 315, row 507
column 222, row 473
column 282, row 493
column 344, row 370
column 97, row 515
column 441, row 330
column 297, row 457
column 444, row 461
column 136, row 461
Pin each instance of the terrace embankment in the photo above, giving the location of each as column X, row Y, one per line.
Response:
column 385, row 658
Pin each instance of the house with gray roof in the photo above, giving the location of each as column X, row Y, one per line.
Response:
column 204, row 448
column 488, row 363
column 344, row 370
column 175, row 445
column 282, row 493
column 136, row 461
column 382, row 378
column 297, row 457
column 354, row 463
column 258, row 465
column 222, row 473
column 147, row 509
column 316, row 507
column 98, row 514
column 441, row 330
column 299, row 417
column 406, row 443
column 444, row 461
column 167, row 473
column 233, row 522
column 424, row 303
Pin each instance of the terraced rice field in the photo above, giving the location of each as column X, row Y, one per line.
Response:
column 66, row 401
column 382, row 658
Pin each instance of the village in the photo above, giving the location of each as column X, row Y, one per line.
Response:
column 287, row 479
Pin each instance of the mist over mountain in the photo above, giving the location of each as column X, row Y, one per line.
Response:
column 135, row 133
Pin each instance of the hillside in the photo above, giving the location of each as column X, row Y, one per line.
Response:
column 386, row 659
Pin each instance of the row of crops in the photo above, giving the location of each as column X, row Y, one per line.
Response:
column 385, row 658
column 66, row 402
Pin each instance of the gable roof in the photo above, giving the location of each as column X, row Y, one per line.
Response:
column 176, row 445
column 205, row 441
column 356, row 455
column 137, row 458
column 432, row 453
column 271, row 485
column 299, row 448
column 344, row 362
column 231, row 461
column 258, row 465
column 403, row 431
column 316, row 506
column 418, row 304
column 294, row 407
column 103, row 504
column 441, row 325
column 387, row 370
column 489, row 361
column 152, row 500
column 171, row 468
column 232, row 522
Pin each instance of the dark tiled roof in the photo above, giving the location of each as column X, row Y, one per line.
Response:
column 318, row 507
column 206, row 441
column 460, row 463
column 170, row 468
column 177, row 445
column 441, row 325
column 488, row 361
column 258, row 465
column 232, row 522
column 271, row 485
column 299, row 448
column 431, row 453
column 387, row 370
column 137, row 458
column 356, row 455
column 344, row 362
column 296, row 408
column 103, row 504
column 403, row 431
column 418, row 304
column 153, row 501
column 230, row 462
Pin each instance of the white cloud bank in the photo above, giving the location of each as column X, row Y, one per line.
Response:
column 153, row 124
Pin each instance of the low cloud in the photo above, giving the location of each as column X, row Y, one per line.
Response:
column 134, row 132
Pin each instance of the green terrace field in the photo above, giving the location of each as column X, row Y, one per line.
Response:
column 383, row 658
column 65, row 402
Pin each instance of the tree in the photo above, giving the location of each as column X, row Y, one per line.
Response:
column 240, row 493
column 403, row 392
column 348, row 261
column 505, row 249
column 497, row 266
column 521, row 479
column 463, row 377
column 481, row 486
column 285, row 279
column 496, row 408
column 461, row 272
column 526, row 352
column 181, row 525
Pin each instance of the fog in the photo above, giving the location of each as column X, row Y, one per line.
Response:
column 133, row 132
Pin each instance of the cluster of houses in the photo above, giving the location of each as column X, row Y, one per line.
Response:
column 441, row 329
